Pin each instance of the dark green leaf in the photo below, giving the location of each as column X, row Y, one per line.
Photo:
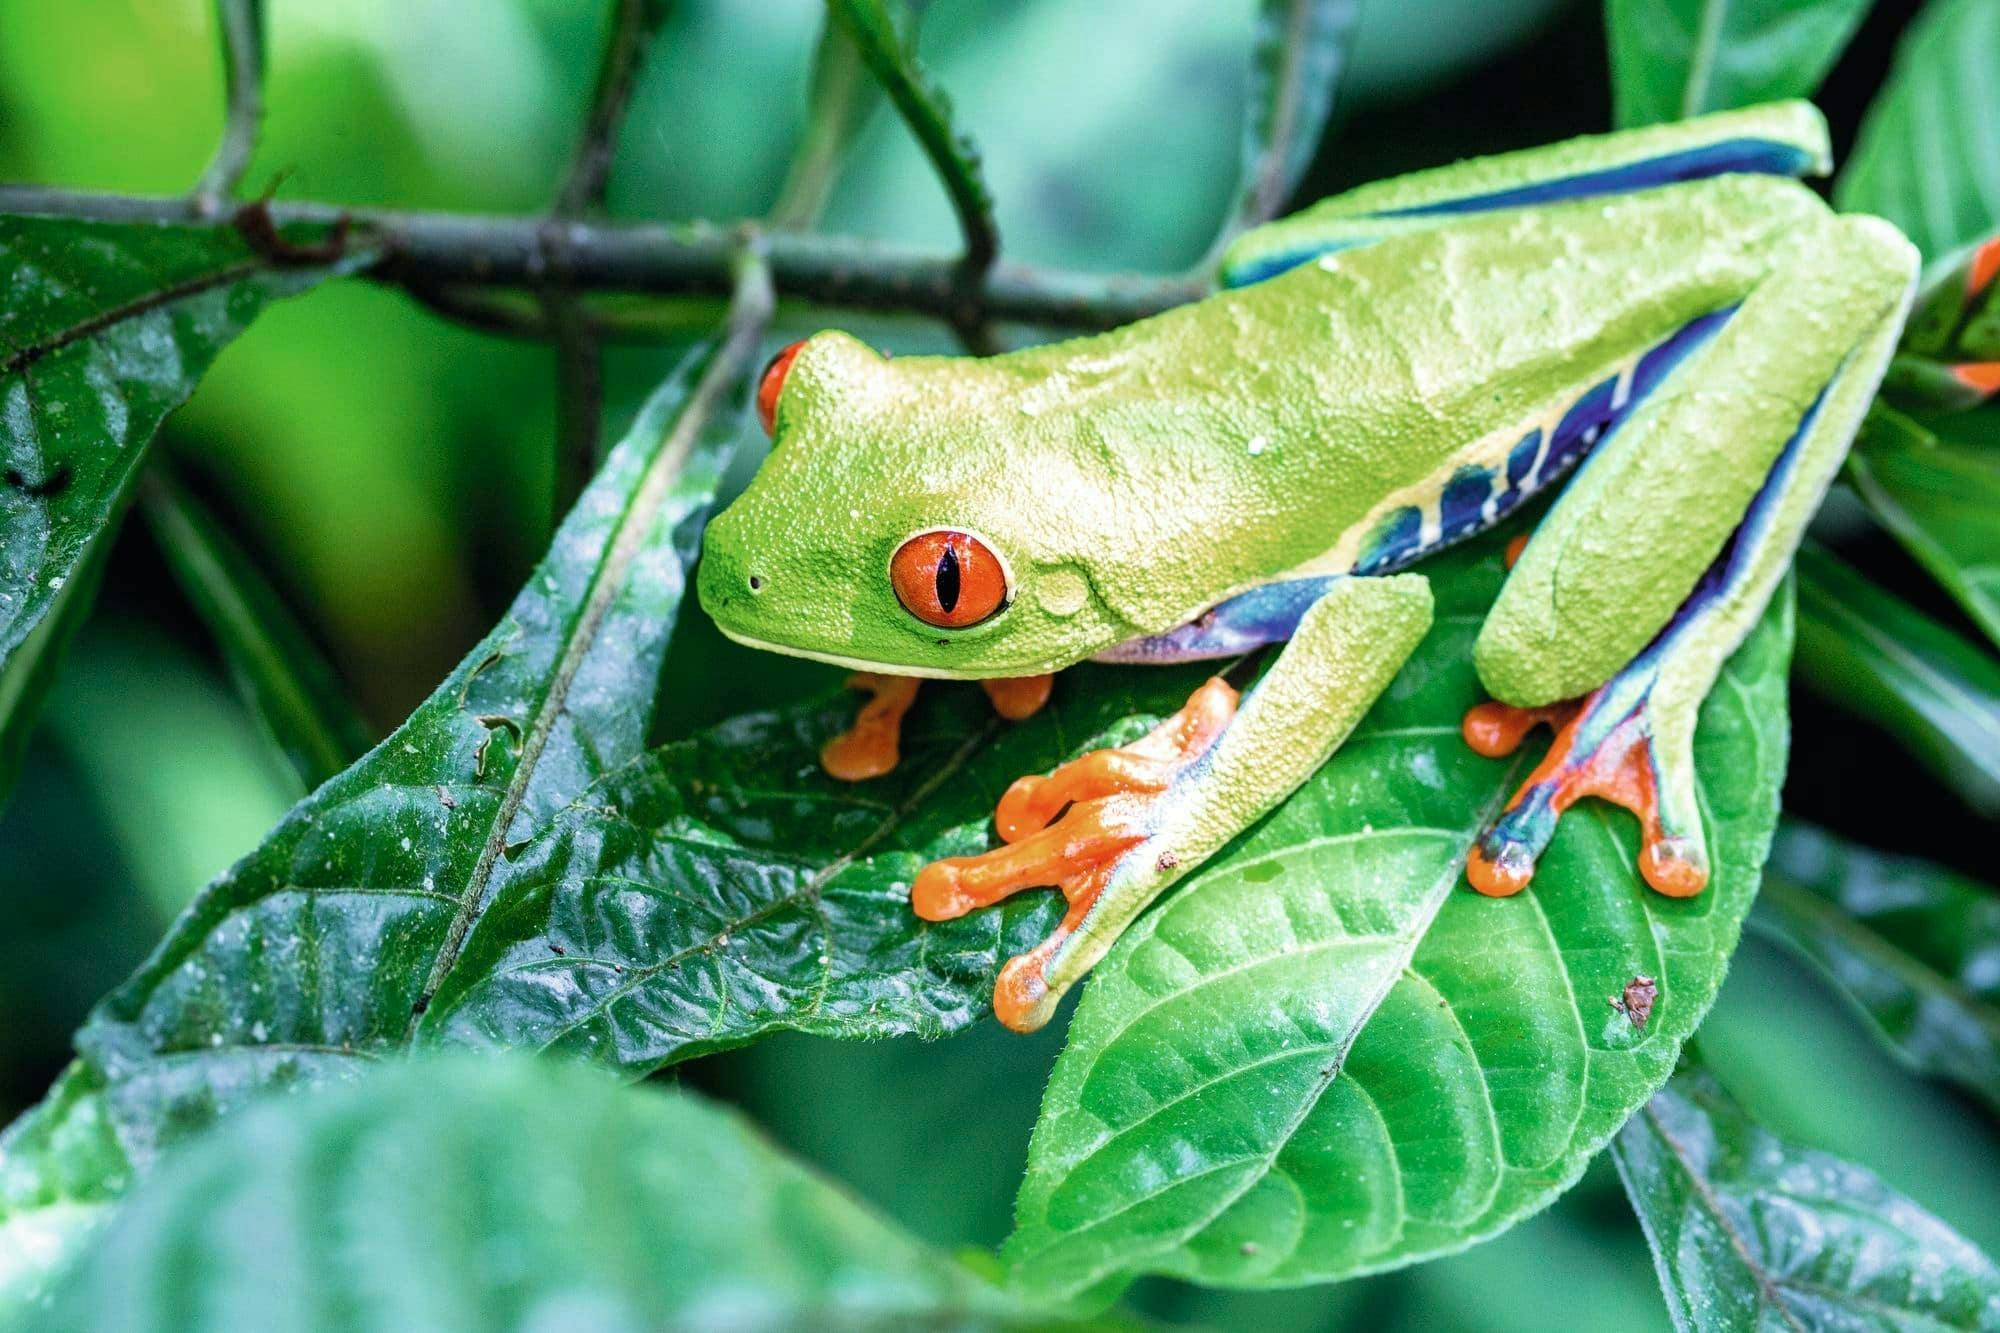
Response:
column 1752, row 1232
column 104, row 331
column 506, row 1195
column 284, row 681
column 1325, row 1055
column 885, row 33
column 319, row 949
column 1936, row 691
column 1940, row 498
column 1926, row 159
column 1671, row 59
column 29, row 672
column 1302, row 48
column 1913, row 944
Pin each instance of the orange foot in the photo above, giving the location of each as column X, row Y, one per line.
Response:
column 1068, row 830
column 1595, row 753
column 871, row 747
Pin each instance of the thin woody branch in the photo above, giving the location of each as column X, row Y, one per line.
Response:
column 475, row 250
column 242, row 28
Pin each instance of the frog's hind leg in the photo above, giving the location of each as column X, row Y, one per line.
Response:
column 1666, row 548
column 1783, row 138
column 1116, row 828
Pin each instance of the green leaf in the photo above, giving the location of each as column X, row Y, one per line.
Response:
column 1326, row 1056
column 1926, row 158
column 1302, row 48
column 1941, row 499
column 724, row 887
column 468, row 1194
column 1751, row 1231
column 320, row 949
column 105, row 330
column 29, row 672
column 885, row 33
column 284, row 681
column 1671, row 59
column 1911, row 943
column 1865, row 650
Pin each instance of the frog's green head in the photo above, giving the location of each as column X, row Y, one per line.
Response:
column 914, row 517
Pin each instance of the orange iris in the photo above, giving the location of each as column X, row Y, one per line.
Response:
column 948, row 579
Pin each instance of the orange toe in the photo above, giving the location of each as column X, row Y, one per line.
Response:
column 1067, row 830
column 1618, row 768
column 1018, row 697
column 871, row 747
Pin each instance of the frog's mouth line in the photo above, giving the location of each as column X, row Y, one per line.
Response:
column 851, row 663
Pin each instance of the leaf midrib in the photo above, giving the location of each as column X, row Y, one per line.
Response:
column 607, row 582
column 1434, row 898
column 1767, row 1290
column 808, row 892
column 27, row 354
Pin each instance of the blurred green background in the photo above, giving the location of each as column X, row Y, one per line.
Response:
column 393, row 472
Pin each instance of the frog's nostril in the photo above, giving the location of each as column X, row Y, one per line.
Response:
column 756, row 583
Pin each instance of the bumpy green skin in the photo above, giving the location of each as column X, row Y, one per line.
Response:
column 1132, row 480
column 1344, row 653
column 1135, row 478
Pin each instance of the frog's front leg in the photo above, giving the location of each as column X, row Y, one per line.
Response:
column 1665, row 549
column 1129, row 822
column 872, row 747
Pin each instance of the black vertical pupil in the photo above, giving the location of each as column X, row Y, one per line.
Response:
column 947, row 581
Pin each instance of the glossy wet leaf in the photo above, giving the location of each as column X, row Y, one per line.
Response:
column 1302, row 47
column 1324, row 1055
column 468, row 1195
column 1867, row 651
column 1750, row 1231
column 1915, row 946
column 1671, row 59
column 1926, row 159
column 283, row 679
column 105, row 330
column 1937, row 488
column 316, row 952
column 885, row 33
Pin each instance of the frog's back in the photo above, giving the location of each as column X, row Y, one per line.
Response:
column 1364, row 406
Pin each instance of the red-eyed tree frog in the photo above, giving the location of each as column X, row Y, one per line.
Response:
column 1663, row 316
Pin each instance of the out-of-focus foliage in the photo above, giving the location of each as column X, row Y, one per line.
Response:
column 547, row 1198
column 1752, row 1232
column 1676, row 58
column 1871, row 654
column 1926, row 158
column 1912, row 943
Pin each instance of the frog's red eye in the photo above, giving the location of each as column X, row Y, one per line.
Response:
column 773, row 383
column 948, row 579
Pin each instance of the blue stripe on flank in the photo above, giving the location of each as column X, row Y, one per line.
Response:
column 1248, row 620
column 1758, row 156
column 1396, row 540
column 1465, row 496
column 1270, row 613
column 1521, row 460
column 1283, row 261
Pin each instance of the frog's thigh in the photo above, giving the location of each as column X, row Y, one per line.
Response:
column 1632, row 740
column 1655, row 503
column 1141, row 817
